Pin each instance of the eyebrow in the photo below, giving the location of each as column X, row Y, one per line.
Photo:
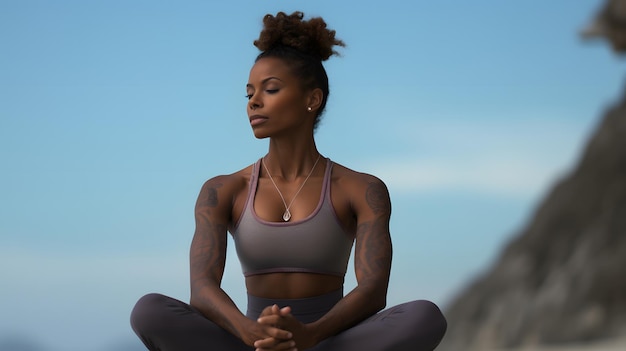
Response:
column 264, row 81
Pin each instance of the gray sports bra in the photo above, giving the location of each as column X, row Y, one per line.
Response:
column 316, row 244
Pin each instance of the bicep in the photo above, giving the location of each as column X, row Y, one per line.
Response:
column 208, row 248
column 373, row 250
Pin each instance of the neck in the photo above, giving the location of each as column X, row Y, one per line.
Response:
column 290, row 160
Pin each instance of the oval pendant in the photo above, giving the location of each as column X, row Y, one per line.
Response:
column 287, row 216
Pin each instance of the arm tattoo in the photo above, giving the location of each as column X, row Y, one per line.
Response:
column 210, row 200
column 373, row 248
column 209, row 246
column 209, row 250
column 377, row 198
column 373, row 242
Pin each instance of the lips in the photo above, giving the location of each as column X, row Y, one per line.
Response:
column 257, row 119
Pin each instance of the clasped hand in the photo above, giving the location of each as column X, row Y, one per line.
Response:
column 282, row 318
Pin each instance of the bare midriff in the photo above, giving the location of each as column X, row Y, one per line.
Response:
column 292, row 285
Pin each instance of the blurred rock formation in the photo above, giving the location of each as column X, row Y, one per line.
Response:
column 610, row 24
column 563, row 278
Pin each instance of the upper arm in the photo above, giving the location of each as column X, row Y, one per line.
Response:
column 207, row 255
column 373, row 250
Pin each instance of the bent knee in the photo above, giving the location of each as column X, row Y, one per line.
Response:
column 147, row 310
column 427, row 315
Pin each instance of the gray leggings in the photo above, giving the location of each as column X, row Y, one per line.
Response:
column 166, row 324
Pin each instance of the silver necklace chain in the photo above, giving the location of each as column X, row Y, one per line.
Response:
column 287, row 214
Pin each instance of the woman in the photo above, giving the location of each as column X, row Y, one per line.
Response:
column 294, row 216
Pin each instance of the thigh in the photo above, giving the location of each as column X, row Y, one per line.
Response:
column 167, row 324
column 416, row 326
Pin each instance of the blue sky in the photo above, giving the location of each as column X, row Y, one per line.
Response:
column 113, row 113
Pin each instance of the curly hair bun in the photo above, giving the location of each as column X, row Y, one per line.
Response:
column 310, row 37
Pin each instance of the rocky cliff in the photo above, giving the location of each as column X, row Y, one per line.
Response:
column 563, row 278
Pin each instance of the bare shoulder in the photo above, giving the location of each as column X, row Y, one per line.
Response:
column 364, row 190
column 228, row 183
column 221, row 192
column 350, row 178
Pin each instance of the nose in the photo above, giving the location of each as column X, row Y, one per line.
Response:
column 254, row 102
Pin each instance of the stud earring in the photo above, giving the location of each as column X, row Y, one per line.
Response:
column 309, row 109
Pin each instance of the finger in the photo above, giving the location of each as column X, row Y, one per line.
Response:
column 279, row 334
column 285, row 311
column 267, row 343
column 284, row 314
column 272, row 345
column 269, row 320
column 267, row 310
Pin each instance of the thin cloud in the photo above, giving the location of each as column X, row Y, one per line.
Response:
column 502, row 177
column 517, row 159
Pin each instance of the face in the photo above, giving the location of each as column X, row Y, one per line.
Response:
column 277, row 104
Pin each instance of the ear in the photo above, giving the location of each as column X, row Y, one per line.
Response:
column 314, row 100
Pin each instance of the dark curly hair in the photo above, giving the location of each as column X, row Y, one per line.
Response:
column 302, row 45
